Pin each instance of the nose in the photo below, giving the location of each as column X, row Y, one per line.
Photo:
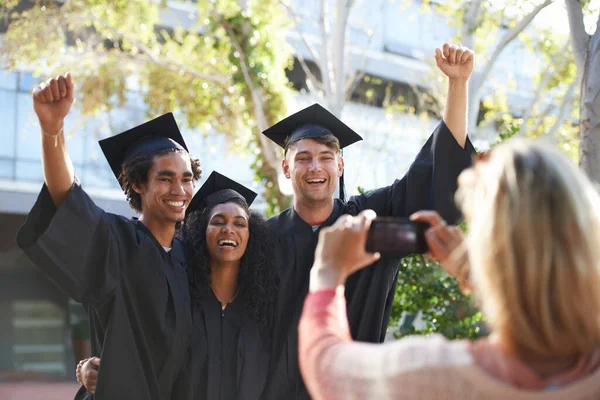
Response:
column 227, row 228
column 315, row 165
column 177, row 188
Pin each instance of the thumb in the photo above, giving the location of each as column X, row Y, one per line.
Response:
column 95, row 361
column 369, row 259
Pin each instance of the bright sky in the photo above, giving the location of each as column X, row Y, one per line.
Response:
column 555, row 16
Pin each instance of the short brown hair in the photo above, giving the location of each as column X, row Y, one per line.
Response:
column 135, row 172
column 328, row 140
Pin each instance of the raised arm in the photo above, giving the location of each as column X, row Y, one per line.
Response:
column 52, row 101
column 456, row 62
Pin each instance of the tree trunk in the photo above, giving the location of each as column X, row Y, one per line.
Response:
column 586, row 49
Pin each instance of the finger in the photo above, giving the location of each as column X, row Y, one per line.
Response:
column 444, row 234
column 44, row 93
column 466, row 56
column 62, row 85
column 430, row 216
column 38, row 94
column 370, row 258
column 452, row 55
column 439, row 58
column 437, row 251
column 446, row 50
column 53, row 85
column 48, row 89
column 342, row 221
column 70, row 87
column 459, row 54
column 95, row 361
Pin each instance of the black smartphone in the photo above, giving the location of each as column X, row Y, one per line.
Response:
column 397, row 237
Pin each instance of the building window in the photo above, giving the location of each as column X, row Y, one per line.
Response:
column 39, row 337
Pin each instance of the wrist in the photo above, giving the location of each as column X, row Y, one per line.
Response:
column 458, row 81
column 323, row 276
column 52, row 127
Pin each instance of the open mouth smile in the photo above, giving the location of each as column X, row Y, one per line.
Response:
column 227, row 243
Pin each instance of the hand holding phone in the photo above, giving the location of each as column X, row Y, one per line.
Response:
column 397, row 237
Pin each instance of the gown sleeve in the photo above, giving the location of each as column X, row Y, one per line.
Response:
column 430, row 182
column 75, row 245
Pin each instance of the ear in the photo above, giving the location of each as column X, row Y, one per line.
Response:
column 285, row 167
column 340, row 166
column 139, row 189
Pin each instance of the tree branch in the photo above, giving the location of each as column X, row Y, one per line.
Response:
column 546, row 77
column 311, row 80
column 352, row 84
column 269, row 151
column 294, row 16
column 579, row 37
column 338, row 50
column 470, row 22
column 564, row 109
column 510, row 36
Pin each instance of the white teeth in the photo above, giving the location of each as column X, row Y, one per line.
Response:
column 227, row 242
column 316, row 181
column 175, row 203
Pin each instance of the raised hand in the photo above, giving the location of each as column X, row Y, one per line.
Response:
column 52, row 101
column 455, row 61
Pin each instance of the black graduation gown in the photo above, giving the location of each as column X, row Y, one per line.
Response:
column 229, row 352
column 430, row 183
column 136, row 293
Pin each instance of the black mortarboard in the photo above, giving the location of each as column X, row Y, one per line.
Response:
column 158, row 134
column 312, row 122
column 219, row 189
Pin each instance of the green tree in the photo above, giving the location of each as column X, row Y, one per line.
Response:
column 222, row 67
column 425, row 291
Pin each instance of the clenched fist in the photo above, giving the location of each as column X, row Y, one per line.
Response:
column 455, row 61
column 52, row 101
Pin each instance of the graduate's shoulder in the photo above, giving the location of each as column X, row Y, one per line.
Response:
column 279, row 221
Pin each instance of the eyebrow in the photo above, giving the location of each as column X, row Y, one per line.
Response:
column 306, row 152
column 222, row 216
column 167, row 172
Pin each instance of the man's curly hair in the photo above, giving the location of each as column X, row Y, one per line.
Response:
column 135, row 172
column 257, row 280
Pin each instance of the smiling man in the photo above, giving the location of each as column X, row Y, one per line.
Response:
column 312, row 139
column 130, row 274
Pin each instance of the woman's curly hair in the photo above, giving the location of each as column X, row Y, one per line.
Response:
column 135, row 172
column 258, row 278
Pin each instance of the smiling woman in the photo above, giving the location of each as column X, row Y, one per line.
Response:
column 233, row 286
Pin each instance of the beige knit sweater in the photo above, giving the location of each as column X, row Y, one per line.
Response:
column 334, row 367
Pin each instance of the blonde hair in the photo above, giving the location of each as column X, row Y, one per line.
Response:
column 534, row 248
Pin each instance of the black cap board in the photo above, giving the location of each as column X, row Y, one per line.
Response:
column 158, row 134
column 219, row 189
column 311, row 122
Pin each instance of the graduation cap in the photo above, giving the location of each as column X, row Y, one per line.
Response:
column 219, row 189
column 312, row 122
column 158, row 134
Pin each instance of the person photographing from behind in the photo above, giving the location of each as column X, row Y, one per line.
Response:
column 531, row 258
